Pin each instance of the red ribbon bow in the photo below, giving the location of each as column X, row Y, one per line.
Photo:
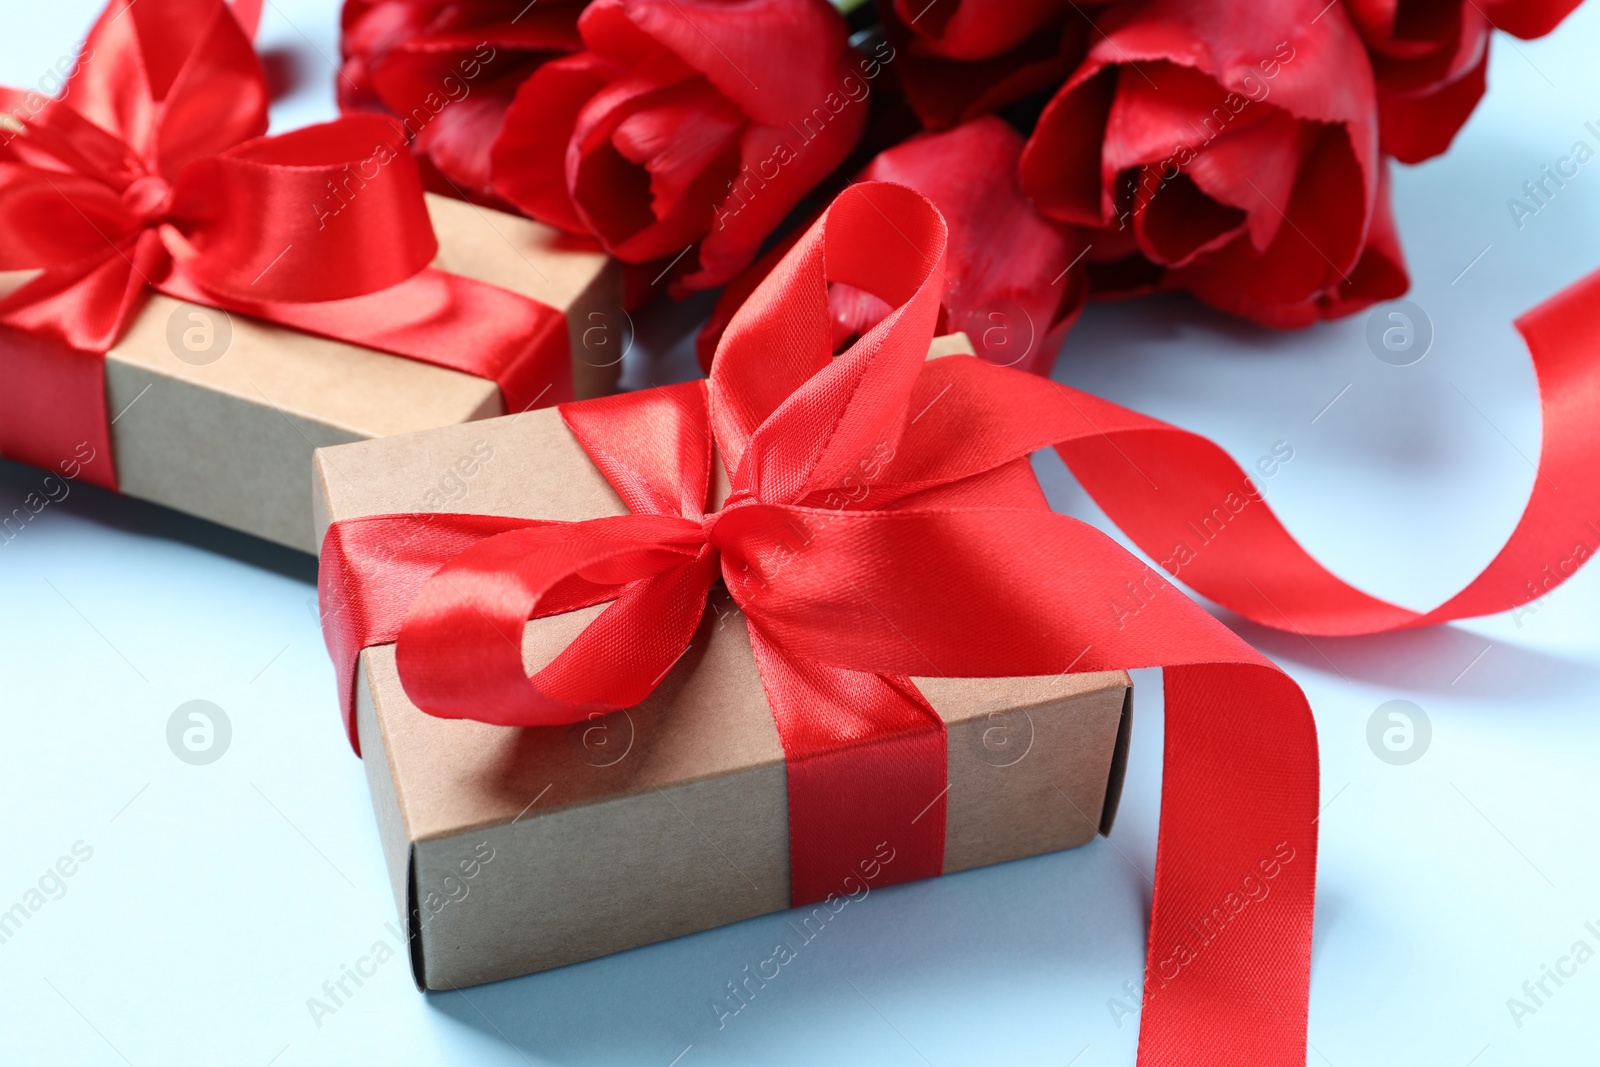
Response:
column 150, row 171
column 949, row 563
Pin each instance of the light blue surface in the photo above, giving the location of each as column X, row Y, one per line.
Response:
column 219, row 898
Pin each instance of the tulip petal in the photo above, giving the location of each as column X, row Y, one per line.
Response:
column 775, row 59
column 458, row 142
column 1315, row 250
column 1175, row 221
column 680, row 133
column 1223, row 115
column 1254, row 168
column 975, row 29
column 1012, row 279
column 1529, row 18
column 1420, row 125
column 776, row 168
column 1380, row 274
column 617, row 196
column 528, row 160
column 1060, row 165
column 1008, row 278
column 1161, row 108
column 944, row 91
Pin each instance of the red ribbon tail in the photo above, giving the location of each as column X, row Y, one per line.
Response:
column 867, row 766
column 1238, row 829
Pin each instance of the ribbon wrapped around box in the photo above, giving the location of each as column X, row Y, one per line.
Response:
column 881, row 565
column 306, row 291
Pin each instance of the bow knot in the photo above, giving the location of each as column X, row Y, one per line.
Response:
column 164, row 124
column 148, row 199
column 708, row 526
column 738, row 497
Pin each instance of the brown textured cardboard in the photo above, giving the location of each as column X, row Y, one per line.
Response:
column 231, row 440
column 669, row 817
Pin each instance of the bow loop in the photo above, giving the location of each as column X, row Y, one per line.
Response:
column 175, row 80
column 665, row 467
column 656, row 570
column 777, row 340
column 322, row 213
column 218, row 94
column 59, row 220
column 792, row 421
column 57, row 139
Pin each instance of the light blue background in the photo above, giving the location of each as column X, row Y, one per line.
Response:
column 219, row 898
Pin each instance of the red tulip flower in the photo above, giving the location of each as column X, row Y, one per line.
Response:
column 963, row 58
column 1430, row 59
column 1226, row 148
column 686, row 124
column 448, row 70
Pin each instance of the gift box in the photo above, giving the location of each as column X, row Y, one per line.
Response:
column 676, row 657
column 224, row 427
column 188, row 308
column 515, row 849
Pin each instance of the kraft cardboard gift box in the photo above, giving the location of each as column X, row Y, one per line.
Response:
column 514, row 850
column 226, row 432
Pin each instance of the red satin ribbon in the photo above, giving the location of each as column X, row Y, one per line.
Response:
column 248, row 12
column 150, row 171
column 882, row 523
column 1154, row 481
